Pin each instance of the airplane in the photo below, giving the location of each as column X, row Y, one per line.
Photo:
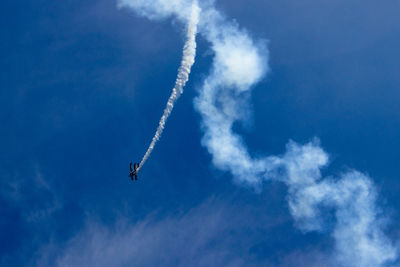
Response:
column 133, row 172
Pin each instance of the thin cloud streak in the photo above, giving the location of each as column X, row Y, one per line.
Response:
column 203, row 236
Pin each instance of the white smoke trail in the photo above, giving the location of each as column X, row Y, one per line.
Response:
column 237, row 66
column 239, row 63
column 189, row 53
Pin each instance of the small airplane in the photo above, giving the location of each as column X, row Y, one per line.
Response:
column 133, row 172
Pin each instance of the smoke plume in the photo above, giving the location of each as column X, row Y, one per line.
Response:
column 189, row 53
column 239, row 63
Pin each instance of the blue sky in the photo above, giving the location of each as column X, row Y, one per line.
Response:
column 83, row 85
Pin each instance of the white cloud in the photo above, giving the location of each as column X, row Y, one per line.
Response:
column 206, row 235
column 31, row 194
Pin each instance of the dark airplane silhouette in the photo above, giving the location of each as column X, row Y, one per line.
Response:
column 133, row 172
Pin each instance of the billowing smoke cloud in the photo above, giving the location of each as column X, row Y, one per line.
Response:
column 189, row 53
column 358, row 233
column 239, row 63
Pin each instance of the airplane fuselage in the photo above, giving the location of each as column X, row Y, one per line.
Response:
column 133, row 172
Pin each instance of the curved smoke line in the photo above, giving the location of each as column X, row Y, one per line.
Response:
column 189, row 53
column 239, row 63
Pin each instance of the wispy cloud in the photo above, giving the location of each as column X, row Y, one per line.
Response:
column 206, row 235
column 34, row 203
column 31, row 194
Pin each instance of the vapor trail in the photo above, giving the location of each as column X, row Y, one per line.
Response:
column 189, row 53
column 239, row 62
